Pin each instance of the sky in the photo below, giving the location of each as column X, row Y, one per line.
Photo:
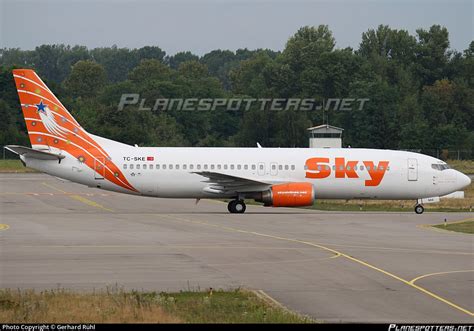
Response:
column 202, row 26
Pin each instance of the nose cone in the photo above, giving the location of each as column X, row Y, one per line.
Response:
column 463, row 180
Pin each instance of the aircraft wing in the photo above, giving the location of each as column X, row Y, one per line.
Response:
column 222, row 183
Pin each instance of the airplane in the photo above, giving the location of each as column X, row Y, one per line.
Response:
column 278, row 177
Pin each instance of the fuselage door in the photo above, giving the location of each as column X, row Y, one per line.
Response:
column 273, row 169
column 99, row 168
column 412, row 169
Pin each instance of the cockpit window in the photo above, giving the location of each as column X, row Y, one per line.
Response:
column 440, row 167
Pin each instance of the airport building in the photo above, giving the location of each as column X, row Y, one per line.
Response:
column 325, row 136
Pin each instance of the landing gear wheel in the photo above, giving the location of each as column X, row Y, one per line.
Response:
column 231, row 206
column 240, row 207
column 236, row 207
column 419, row 209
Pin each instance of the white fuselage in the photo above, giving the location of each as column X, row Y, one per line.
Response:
column 171, row 172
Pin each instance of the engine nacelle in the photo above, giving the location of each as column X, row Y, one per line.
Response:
column 288, row 195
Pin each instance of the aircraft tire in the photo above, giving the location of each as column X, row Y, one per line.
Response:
column 236, row 207
column 419, row 209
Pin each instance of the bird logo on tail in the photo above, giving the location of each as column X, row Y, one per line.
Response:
column 49, row 120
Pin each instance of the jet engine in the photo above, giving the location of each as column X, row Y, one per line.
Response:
column 288, row 195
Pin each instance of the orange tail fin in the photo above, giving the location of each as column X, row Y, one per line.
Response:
column 50, row 126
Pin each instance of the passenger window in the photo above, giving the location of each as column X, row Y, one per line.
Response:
column 333, row 167
column 225, row 166
column 212, row 167
column 261, row 167
column 151, row 166
column 361, row 167
column 205, row 166
column 198, row 167
column 273, row 167
column 157, row 167
column 305, row 167
column 125, row 166
column 219, row 166
column 177, row 167
column 280, row 167
column 232, row 167
column 191, row 166
column 164, row 166
column 381, row 168
column 368, row 168
column 239, row 167
column 254, row 167
column 170, row 167
column 319, row 167
column 144, row 167
column 293, row 167
column 131, row 167
column 184, row 167
column 246, row 167
column 287, row 166
column 138, row 166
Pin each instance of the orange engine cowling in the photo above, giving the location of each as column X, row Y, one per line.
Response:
column 289, row 195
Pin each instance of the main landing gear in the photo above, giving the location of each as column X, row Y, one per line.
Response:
column 419, row 209
column 236, row 207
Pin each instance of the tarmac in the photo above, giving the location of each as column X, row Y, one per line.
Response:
column 385, row 267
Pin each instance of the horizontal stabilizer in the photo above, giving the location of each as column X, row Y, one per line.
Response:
column 34, row 153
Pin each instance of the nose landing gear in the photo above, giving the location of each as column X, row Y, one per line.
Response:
column 236, row 207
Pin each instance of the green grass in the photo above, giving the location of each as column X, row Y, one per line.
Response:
column 14, row 166
column 465, row 227
column 226, row 307
column 119, row 306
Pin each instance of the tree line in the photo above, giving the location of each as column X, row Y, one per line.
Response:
column 420, row 91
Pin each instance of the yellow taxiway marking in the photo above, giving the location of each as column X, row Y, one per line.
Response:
column 392, row 249
column 366, row 264
column 89, row 202
column 4, row 227
column 438, row 273
column 53, row 187
column 79, row 198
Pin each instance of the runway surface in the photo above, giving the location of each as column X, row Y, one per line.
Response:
column 349, row 267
